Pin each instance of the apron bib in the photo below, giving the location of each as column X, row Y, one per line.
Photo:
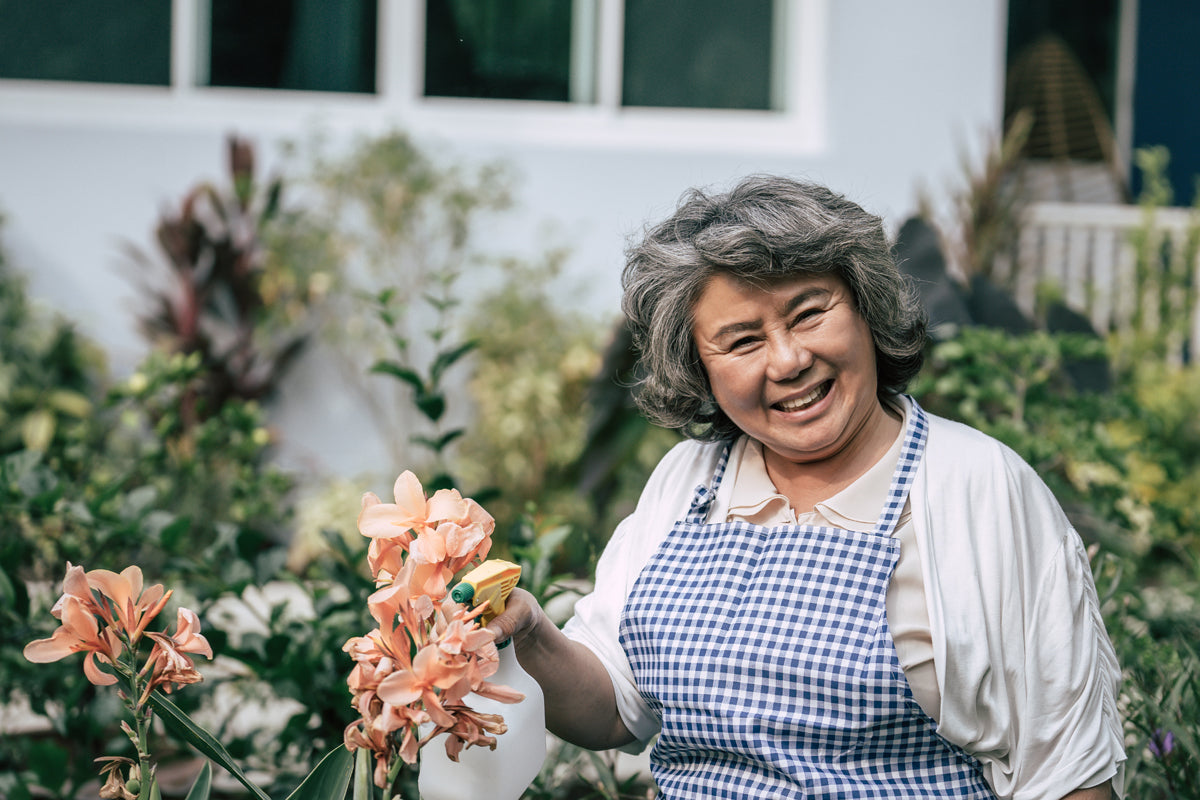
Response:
column 766, row 654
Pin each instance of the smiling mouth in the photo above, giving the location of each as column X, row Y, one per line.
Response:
column 800, row 403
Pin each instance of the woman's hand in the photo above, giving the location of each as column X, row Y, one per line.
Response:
column 520, row 620
column 580, row 705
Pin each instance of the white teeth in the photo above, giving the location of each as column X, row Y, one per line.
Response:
column 808, row 399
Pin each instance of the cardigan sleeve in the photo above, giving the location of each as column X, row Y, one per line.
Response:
column 1073, row 727
column 1028, row 675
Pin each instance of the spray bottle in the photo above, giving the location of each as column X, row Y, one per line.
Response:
column 506, row 772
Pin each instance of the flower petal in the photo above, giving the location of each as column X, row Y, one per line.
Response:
column 115, row 587
column 133, row 576
column 43, row 651
column 75, row 583
column 400, row 688
column 477, row 515
column 95, row 674
column 447, row 505
column 410, row 497
column 79, row 622
column 187, row 634
column 499, row 693
column 385, row 521
column 433, row 707
column 429, row 547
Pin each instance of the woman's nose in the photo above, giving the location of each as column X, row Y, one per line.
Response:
column 786, row 359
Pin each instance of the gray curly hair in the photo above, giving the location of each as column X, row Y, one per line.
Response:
column 764, row 229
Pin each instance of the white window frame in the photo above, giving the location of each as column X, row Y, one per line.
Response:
column 798, row 127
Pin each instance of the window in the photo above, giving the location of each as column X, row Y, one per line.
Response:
column 100, row 41
column 697, row 54
column 702, row 74
column 313, row 45
column 670, row 53
column 511, row 49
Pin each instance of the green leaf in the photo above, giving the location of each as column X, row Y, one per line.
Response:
column 48, row 761
column 439, row 444
column 398, row 371
column 202, row 740
column 447, row 358
column 329, row 779
column 8, row 595
column 449, row 436
column 274, row 192
column 606, row 782
column 173, row 533
column 431, row 405
column 362, row 774
column 440, row 481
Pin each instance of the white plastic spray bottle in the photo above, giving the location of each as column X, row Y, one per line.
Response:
column 506, row 772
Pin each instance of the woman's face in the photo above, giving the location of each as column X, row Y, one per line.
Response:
column 792, row 363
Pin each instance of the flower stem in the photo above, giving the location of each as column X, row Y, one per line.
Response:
column 143, row 715
column 393, row 771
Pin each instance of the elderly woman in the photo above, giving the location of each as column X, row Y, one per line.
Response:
column 825, row 592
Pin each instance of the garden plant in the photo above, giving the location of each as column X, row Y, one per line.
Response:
column 125, row 478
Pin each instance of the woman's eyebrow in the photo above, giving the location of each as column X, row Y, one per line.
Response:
column 737, row 327
column 795, row 302
column 802, row 297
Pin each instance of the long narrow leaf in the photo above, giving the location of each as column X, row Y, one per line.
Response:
column 202, row 740
column 362, row 775
column 329, row 779
column 606, row 782
column 202, row 786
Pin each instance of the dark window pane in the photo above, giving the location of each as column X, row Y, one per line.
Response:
column 311, row 45
column 105, row 41
column 698, row 53
column 513, row 49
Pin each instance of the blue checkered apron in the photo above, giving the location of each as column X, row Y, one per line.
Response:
column 766, row 654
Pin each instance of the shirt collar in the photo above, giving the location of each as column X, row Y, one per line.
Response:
column 749, row 494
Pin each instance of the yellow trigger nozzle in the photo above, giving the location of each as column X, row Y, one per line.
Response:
column 488, row 584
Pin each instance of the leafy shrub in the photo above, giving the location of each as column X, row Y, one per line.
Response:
column 217, row 290
column 528, row 388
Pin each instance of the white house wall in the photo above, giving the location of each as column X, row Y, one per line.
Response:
column 892, row 94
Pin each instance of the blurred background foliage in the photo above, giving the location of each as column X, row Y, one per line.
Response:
column 505, row 392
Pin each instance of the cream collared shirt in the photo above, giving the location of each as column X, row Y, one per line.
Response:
column 754, row 499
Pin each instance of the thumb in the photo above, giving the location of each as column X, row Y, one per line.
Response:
column 519, row 615
column 502, row 628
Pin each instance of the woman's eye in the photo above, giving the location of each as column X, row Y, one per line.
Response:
column 742, row 343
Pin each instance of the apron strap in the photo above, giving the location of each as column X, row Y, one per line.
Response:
column 704, row 495
column 915, row 434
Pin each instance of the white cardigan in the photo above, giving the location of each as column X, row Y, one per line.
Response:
column 1027, row 674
